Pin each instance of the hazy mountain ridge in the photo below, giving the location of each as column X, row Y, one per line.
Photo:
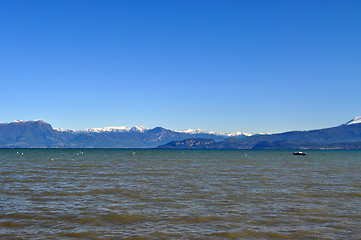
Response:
column 39, row 134
column 345, row 136
column 145, row 129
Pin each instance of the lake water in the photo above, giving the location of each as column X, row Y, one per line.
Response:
column 177, row 194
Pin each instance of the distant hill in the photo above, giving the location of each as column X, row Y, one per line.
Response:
column 193, row 143
column 346, row 136
column 39, row 134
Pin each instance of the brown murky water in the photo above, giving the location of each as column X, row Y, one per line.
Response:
column 176, row 194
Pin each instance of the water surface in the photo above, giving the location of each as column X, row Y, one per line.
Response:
column 176, row 194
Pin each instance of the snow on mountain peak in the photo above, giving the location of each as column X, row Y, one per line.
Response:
column 200, row 131
column 117, row 129
column 238, row 134
column 354, row 121
column 22, row 121
column 106, row 129
column 194, row 131
column 18, row 121
column 139, row 129
column 64, row 130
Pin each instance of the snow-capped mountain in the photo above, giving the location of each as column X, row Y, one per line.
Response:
column 64, row 130
column 239, row 134
column 200, row 131
column 142, row 129
column 22, row 121
column 345, row 136
column 105, row 129
column 37, row 133
column 354, row 121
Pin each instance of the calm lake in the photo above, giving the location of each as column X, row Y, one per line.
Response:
column 179, row 194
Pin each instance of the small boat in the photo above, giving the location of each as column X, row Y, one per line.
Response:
column 299, row 153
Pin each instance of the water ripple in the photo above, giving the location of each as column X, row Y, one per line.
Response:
column 171, row 194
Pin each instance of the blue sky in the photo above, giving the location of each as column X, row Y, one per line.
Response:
column 251, row 66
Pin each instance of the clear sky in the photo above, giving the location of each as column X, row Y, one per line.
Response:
column 226, row 66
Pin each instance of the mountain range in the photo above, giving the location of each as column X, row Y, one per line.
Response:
column 39, row 134
column 345, row 136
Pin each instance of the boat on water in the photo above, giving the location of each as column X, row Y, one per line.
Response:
column 299, row 153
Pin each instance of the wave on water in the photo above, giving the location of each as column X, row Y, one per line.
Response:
column 160, row 194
